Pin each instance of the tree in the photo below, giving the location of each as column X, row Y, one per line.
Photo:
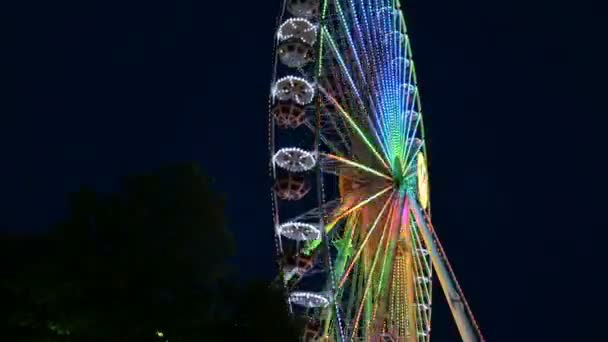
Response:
column 261, row 314
column 146, row 263
column 127, row 265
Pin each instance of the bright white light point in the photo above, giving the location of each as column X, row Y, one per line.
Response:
column 409, row 87
column 422, row 251
column 423, row 306
column 424, row 280
column 159, row 334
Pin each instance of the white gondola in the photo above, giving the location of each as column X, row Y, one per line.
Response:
column 294, row 88
column 298, row 28
column 299, row 231
column 294, row 159
column 308, row 299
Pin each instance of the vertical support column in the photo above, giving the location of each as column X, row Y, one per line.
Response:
column 464, row 324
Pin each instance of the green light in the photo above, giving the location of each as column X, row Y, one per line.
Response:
column 355, row 126
column 357, row 165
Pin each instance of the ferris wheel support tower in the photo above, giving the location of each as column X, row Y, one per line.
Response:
column 469, row 331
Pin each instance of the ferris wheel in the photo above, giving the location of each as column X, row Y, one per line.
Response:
column 351, row 208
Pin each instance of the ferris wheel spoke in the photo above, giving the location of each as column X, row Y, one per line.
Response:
column 356, row 165
column 383, row 35
column 315, row 213
column 364, row 242
column 355, row 284
column 355, row 127
column 393, row 267
column 363, row 43
column 344, row 244
column 388, row 250
column 346, row 212
column 405, row 78
column 338, row 123
column 345, row 28
column 412, row 128
column 411, row 158
column 324, row 139
column 341, row 96
column 382, row 296
column 410, row 155
column 385, row 78
column 334, row 84
column 368, row 284
column 339, row 129
column 355, row 89
column 356, row 207
column 376, row 93
column 338, row 56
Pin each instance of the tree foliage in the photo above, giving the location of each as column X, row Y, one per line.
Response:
column 146, row 263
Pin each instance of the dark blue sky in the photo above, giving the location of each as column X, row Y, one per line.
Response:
column 512, row 101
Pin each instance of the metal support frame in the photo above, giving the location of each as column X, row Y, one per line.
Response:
column 454, row 299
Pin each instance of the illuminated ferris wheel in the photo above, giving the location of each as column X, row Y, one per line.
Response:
column 348, row 160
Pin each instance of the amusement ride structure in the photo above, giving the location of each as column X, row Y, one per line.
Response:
column 356, row 246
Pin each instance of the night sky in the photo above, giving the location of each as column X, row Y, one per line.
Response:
column 514, row 106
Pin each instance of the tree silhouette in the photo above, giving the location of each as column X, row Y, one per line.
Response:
column 146, row 263
column 261, row 314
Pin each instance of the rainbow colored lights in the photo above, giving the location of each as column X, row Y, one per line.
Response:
column 361, row 123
